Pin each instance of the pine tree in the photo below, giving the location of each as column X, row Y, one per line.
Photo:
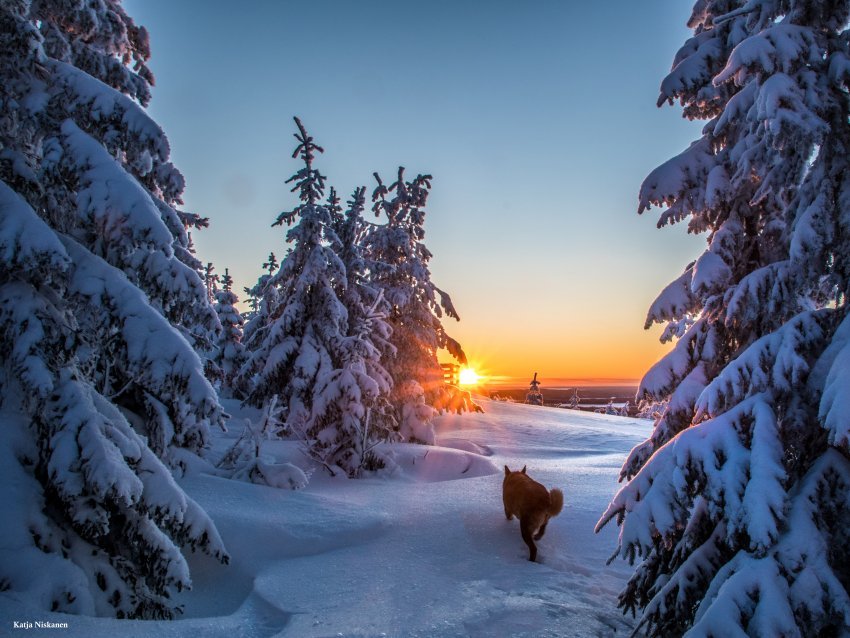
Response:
column 308, row 351
column 397, row 260
column 575, row 400
column 230, row 353
column 356, row 394
column 100, row 299
column 300, row 314
column 207, row 346
column 364, row 301
column 211, row 281
column 534, row 396
column 257, row 295
column 738, row 502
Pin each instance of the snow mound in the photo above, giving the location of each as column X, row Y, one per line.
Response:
column 431, row 464
column 465, row 445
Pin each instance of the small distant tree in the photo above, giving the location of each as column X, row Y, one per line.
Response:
column 211, row 281
column 207, row 344
column 534, row 396
column 230, row 353
column 256, row 293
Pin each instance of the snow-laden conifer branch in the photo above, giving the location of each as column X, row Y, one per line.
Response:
column 734, row 499
column 100, row 291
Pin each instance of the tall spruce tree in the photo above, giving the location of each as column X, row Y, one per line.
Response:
column 738, row 502
column 308, row 352
column 353, row 400
column 300, row 315
column 99, row 297
column 364, row 301
column 397, row 260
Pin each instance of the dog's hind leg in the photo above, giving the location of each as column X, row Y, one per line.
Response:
column 508, row 514
column 525, row 529
column 541, row 531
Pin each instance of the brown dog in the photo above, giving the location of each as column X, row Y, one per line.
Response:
column 529, row 501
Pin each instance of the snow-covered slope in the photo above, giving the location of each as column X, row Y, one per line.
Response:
column 426, row 553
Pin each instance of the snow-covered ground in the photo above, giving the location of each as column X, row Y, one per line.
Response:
column 425, row 553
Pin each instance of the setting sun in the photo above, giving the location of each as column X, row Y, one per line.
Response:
column 468, row 376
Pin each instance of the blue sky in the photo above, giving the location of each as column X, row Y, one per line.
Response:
column 536, row 119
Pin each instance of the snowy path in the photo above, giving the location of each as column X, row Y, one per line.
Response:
column 417, row 555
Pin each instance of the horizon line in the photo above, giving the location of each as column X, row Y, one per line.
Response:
column 503, row 380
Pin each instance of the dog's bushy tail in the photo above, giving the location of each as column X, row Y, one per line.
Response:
column 556, row 501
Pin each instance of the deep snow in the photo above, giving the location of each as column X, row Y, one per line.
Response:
column 425, row 553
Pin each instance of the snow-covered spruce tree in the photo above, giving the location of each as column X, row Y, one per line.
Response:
column 397, row 262
column 363, row 300
column 738, row 502
column 305, row 353
column 360, row 400
column 211, row 281
column 256, row 295
column 208, row 346
column 99, row 292
column 230, row 353
column 299, row 313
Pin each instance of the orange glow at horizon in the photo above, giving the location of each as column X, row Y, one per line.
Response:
column 568, row 313
column 589, row 359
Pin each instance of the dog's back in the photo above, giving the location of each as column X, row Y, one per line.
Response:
column 532, row 503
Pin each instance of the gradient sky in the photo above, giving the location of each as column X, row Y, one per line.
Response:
column 536, row 119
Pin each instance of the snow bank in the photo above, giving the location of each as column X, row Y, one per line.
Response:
column 432, row 464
